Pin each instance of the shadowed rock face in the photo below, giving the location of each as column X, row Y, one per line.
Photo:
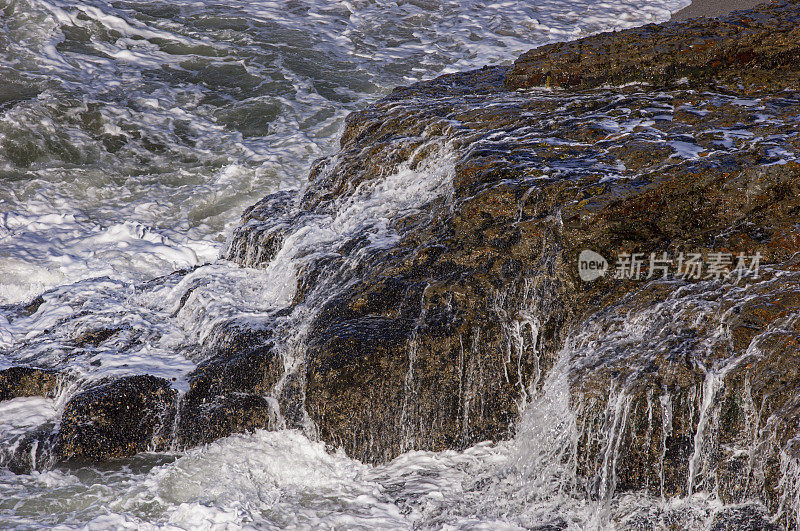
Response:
column 203, row 422
column 226, row 392
column 31, row 452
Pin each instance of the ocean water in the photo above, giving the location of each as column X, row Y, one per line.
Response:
column 132, row 136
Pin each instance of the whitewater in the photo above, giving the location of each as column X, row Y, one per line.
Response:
column 133, row 136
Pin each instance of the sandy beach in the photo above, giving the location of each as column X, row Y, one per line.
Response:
column 713, row 8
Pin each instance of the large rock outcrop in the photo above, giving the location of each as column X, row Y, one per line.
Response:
column 675, row 140
column 754, row 50
column 437, row 276
column 417, row 350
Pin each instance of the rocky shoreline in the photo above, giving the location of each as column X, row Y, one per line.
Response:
column 432, row 324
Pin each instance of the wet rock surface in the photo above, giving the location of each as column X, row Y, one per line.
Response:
column 34, row 451
column 16, row 382
column 204, row 421
column 665, row 141
column 754, row 50
column 437, row 281
column 117, row 419
column 226, row 392
column 422, row 335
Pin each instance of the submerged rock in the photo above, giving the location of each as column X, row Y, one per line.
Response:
column 34, row 451
column 93, row 338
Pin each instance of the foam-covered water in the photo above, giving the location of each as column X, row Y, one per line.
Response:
column 133, row 134
column 277, row 480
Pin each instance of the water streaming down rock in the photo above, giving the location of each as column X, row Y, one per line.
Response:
column 421, row 292
column 663, row 392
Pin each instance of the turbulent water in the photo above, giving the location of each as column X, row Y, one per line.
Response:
column 133, row 135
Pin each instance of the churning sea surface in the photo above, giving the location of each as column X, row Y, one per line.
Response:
column 132, row 136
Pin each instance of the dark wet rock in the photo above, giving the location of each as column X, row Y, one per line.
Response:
column 430, row 367
column 33, row 451
column 226, row 392
column 744, row 518
column 263, row 226
column 435, row 341
column 202, row 422
column 16, row 382
column 366, row 358
column 33, row 306
column 244, row 361
column 706, row 396
column 117, row 419
column 93, row 338
column 291, row 401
